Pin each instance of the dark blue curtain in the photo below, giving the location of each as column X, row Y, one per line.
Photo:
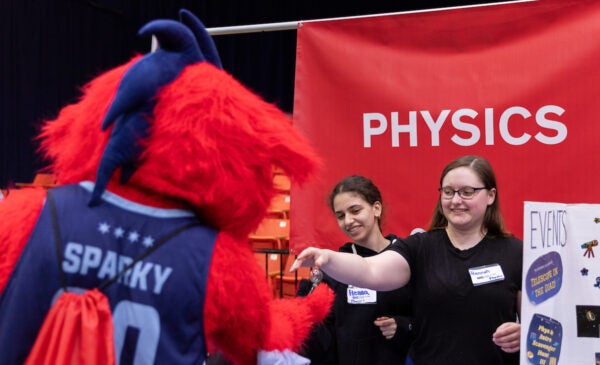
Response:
column 50, row 48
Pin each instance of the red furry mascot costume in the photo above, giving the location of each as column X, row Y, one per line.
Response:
column 167, row 144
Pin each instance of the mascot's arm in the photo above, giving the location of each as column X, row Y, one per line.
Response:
column 293, row 318
column 241, row 318
column 236, row 315
column 18, row 213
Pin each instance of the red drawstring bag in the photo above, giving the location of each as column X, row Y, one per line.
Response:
column 78, row 330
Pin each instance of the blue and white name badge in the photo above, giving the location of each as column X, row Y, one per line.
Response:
column 358, row 295
column 486, row 274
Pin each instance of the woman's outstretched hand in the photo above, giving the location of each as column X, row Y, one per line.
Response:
column 311, row 257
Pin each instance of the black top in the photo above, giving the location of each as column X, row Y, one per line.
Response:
column 348, row 335
column 455, row 319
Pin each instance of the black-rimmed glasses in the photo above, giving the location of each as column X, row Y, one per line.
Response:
column 466, row 192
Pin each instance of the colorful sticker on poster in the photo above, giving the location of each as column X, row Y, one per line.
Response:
column 544, row 277
column 544, row 340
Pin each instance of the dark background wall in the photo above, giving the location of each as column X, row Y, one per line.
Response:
column 50, row 48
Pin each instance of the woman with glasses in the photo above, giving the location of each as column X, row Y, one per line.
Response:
column 465, row 273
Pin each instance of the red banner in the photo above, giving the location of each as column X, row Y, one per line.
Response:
column 397, row 97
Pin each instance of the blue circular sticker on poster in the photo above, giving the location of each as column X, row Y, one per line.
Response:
column 544, row 340
column 544, row 277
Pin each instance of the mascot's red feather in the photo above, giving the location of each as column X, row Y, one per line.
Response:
column 165, row 140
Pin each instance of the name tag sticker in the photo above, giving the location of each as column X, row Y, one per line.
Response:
column 358, row 295
column 486, row 274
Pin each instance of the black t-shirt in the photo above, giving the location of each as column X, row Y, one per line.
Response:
column 454, row 319
column 349, row 337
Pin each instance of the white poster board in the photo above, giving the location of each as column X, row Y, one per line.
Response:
column 560, row 308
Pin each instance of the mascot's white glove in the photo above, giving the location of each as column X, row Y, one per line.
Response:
column 281, row 358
